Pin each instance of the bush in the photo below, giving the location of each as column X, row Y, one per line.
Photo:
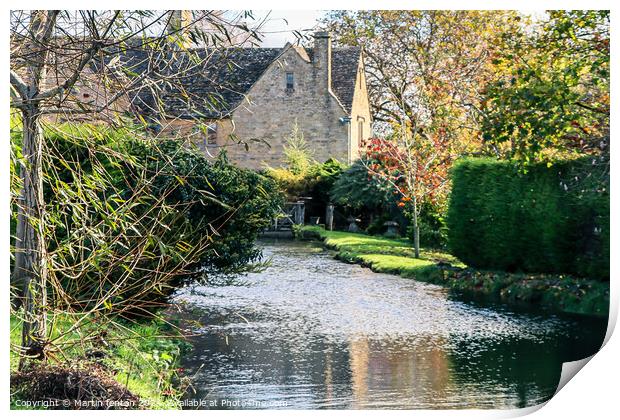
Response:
column 377, row 225
column 240, row 205
column 297, row 155
column 371, row 199
column 323, row 176
column 129, row 217
column 356, row 190
column 549, row 220
column 315, row 182
column 291, row 185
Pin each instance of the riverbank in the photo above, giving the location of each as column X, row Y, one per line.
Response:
column 558, row 293
column 138, row 362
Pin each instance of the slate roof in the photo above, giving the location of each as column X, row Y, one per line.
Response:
column 344, row 74
column 218, row 84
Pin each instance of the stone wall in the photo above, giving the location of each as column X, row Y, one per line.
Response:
column 360, row 113
column 266, row 119
column 193, row 133
column 256, row 134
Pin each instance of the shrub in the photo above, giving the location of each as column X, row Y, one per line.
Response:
column 370, row 198
column 315, row 182
column 550, row 219
column 129, row 216
column 377, row 225
column 297, row 155
column 323, row 176
column 240, row 204
column 291, row 185
column 356, row 190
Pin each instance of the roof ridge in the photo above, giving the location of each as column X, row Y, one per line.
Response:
column 218, row 89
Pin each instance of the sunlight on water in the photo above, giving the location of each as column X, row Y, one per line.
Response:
column 312, row 332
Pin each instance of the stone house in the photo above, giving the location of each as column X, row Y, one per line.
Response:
column 247, row 100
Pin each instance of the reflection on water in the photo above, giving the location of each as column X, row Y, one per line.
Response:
column 312, row 332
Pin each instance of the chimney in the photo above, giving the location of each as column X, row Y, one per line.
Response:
column 323, row 56
column 179, row 19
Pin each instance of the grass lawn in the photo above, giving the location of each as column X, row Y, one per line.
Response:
column 396, row 256
column 381, row 254
column 141, row 356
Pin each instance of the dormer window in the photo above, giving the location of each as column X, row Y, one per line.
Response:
column 290, row 82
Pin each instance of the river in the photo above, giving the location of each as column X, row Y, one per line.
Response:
column 312, row 332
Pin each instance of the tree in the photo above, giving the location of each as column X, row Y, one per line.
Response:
column 297, row 155
column 425, row 72
column 551, row 96
column 54, row 55
column 425, row 67
column 414, row 169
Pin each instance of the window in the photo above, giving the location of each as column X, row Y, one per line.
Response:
column 360, row 130
column 290, row 82
column 212, row 133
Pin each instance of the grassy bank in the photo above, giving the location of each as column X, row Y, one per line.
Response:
column 395, row 256
column 140, row 356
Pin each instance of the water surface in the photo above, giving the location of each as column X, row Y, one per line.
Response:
column 313, row 332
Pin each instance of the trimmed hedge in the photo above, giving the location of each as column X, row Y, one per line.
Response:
column 548, row 220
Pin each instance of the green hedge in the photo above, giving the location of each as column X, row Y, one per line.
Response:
column 548, row 220
column 106, row 189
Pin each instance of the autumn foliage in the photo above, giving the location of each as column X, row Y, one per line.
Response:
column 419, row 172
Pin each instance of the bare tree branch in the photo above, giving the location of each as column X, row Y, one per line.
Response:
column 19, row 85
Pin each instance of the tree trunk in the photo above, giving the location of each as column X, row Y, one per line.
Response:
column 30, row 261
column 416, row 229
column 18, row 264
column 30, row 254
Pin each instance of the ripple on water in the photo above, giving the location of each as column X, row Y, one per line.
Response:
column 352, row 301
column 320, row 333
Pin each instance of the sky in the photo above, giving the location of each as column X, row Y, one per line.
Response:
column 280, row 24
column 277, row 26
column 276, row 30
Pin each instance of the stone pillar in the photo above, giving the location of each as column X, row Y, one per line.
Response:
column 329, row 217
column 299, row 213
column 302, row 212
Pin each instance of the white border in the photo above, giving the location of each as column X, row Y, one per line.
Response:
column 593, row 394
